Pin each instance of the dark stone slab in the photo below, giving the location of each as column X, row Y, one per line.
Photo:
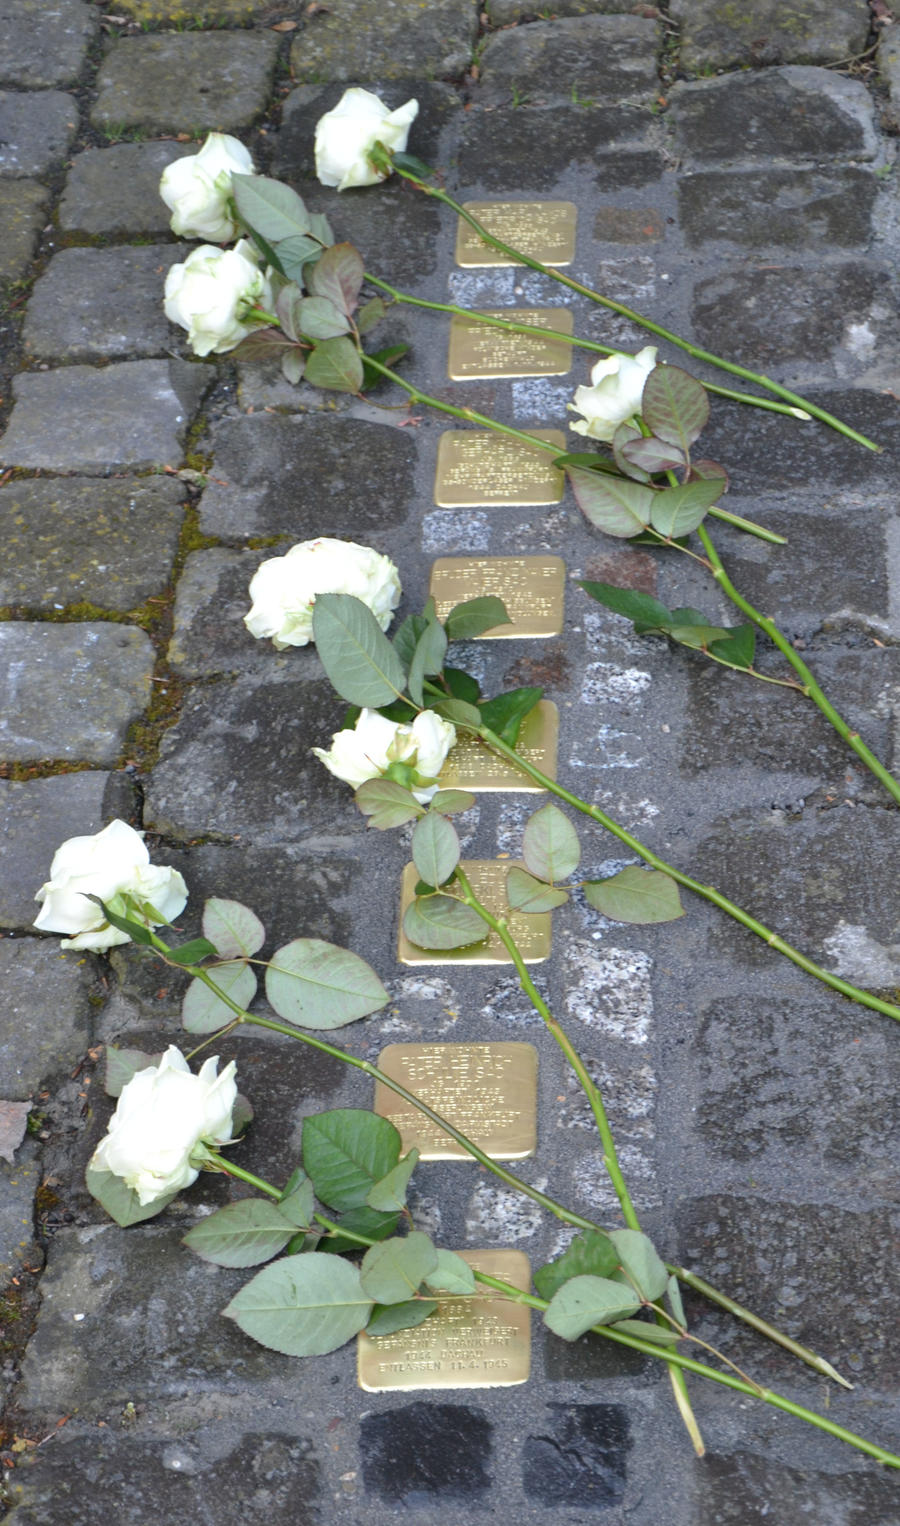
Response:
column 95, row 419
column 36, row 816
column 420, row 1454
column 359, row 40
column 45, row 1022
column 505, row 12
column 628, row 225
column 36, row 128
column 739, row 1491
column 23, row 205
column 19, row 1181
column 580, row 1463
column 209, row 634
column 592, row 1359
column 111, row 543
column 765, row 32
column 529, row 148
column 43, row 45
column 775, row 457
column 116, row 190
column 96, row 303
column 292, row 476
column 790, row 113
column 795, row 209
column 594, row 57
column 70, row 692
column 217, row 80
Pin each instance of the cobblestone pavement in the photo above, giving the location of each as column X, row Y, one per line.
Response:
column 734, row 176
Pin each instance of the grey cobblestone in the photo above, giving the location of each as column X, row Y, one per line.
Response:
column 766, row 32
column 36, row 129
column 361, row 40
column 781, row 114
column 94, row 303
column 116, row 190
column 23, row 206
column 588, row 58
column 36, row 815
column 210, row 79
column 44, row 43
column 796, row 209
column 46, row 1022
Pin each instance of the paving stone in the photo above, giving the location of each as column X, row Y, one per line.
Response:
column 18, row 1184
column 360, row 40
column 110, row 543
column 505, row 12
column 36, row 128
column 198, row 12
column 592, row 57
column 299, row 476
column 628, row 225
column 44, row 43
column 210, row 80
column 792, row 113
column 595, row 1360
column 116, row 190
column 777, row 459
column 889, row 73
column 23, row 205
column 93, row 303
column 582, row 1462
column 36, row 816
column 45, row 1025
column 96, row 419
column 528, row 148
column 764, row 32
column 209, row 635
column 795, row 209
column 71, row 691
column 421, row 1453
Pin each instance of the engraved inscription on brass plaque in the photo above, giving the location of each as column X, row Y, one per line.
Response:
column 478, row 351
column 531, row 587
column 489, row 1091
column 472, row 766
column 545, row 230
column 483, row 1341
column 477, row 468
column 532, row 931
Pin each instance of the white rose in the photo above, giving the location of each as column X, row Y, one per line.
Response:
column 346, row 136
column 164, row 1112
column 211, row 294
column 284, row 588
column 197, row 189
column 111, row 863
column 367, row 751
column 616, row 393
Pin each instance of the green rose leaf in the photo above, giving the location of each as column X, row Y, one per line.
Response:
column 368, row 1222
column 458, row 711
column 270, row 207
column 370, row 315
column 697, row 637
column 302, row 1305
column 335, row 366
column 583, row 1302
column 462, row 685
column 627, row 434
column 673, row 1296
column 265, row 345
column 428, row 657
column 652, row 455
column 590, row 1254
column 389, row 1195
column 122, row 1065
column 678, row 510
column 297, row 1201
column 293, row 364
column 452, row 1274
column 467, row 621
column 525, row 893
column 414, row 166
column 659, row 1335
column 387, row 804
column 338, row 276
column 120, row 1202
column 317, row 318
column 640, row 1262
column 355, row 653
column 674, row 405
column 241, row 1234
column 192, row 952
column 295, row 253
column 646, row 612
column 315, row 984
column 388, row 357
column 739, row 647
column 393, row 1271
column 386, row 1318
column 203, row 1011
column 406, row 637
column 138, row 932
column 233, row 928
column 449, row 802
column 617, row 507
column 636, row 895
column 440, row 921
column 346, row 1151
column 435, row 848
column 505, row 713
column 550, row 846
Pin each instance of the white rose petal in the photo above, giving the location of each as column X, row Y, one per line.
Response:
column 284, row 588
column 615, row 394
column 111, row 863
column 197, row 189
column 366, row 751
column 346, row 136
column 211, row 294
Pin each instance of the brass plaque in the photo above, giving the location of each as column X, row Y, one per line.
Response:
column 483, row 1341
column 477, row 468
column 489, row 1091
column 544, row 230
column 472, row 766
column 478, row 351
column 532, row 931
column 531, row 587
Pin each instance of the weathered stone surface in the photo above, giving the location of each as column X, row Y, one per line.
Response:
column 552, row 149
column 39, row 814
column 45, row 1024
column 740, row 1489
column 22, row 215
column 361, row 40
column 111, row 543
column 44, row 43
column 215, row 80
column 420, row 1453
column 116, row 190
column 764, row 32
column 505, row 12
column 88, row 419
column 36, row 128
column 209, row 634
column 795, row 209
column 92, row 303
column 777, row 459
column 889, row 72
column 18, row 1184
column 792, row 113
column 193, row 13
column 628, row 225
column 295, row 476
column 583, row 1461
column 71, row 691
column 592, row 57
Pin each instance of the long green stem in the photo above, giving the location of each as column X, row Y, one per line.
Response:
column 708, row 892
column 810, row 687
column 634, row 317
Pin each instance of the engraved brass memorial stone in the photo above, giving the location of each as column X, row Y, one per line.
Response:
column 531, row 587
column 544, row 230
column 478, row 351
column 531, row 931
column 489, row 1091
column 472, row 766
column 477, row 468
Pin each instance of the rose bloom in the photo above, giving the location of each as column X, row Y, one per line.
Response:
column 284, row 588
column 616, row 393
column 366, row 751
column 164, row 1112
column 211, row 294
column 111, row 863
column 346, row 136
column 197, row 189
